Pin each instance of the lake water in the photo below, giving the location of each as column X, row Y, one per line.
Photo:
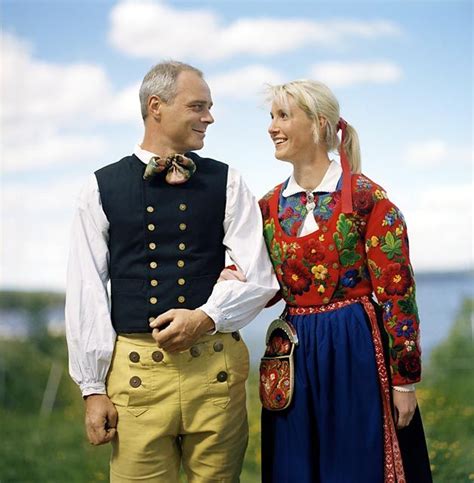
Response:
column 439, row 297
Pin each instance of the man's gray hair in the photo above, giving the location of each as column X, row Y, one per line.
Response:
column 161, row 81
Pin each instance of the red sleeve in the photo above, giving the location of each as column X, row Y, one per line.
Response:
column 393, row 282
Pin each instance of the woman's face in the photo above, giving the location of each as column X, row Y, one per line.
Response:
column 291, row 131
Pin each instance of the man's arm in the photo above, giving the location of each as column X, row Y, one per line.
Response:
column 89, row 332
column 233, row 303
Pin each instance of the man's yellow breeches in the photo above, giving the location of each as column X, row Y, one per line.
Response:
column 184, row 408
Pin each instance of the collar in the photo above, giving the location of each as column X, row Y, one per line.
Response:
column 142, row 154
column 328, row 183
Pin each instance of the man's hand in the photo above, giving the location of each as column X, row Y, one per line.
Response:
column 184, row 329
column 101, row 419
column 405, row 405
column 231, row 273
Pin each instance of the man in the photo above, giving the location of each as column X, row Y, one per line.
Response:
column 161, row 226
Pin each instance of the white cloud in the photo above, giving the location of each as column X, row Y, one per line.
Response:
column 342, row 74
column 153, row 29
column 36, row 221
column 244, row 82
column 435, row 152
column 50, row 149
column 440, row 228
column 56, row 107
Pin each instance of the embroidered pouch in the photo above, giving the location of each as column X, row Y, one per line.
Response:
column 276, row 366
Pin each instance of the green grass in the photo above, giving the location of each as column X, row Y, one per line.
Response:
column 54, row 448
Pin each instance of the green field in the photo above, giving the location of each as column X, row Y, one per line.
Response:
column 51, row 447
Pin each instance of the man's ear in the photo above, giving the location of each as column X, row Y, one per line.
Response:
column 154, row 107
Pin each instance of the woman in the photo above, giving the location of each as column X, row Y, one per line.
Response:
column 335, row 239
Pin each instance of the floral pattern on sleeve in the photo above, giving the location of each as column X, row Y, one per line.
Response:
column 386, row 245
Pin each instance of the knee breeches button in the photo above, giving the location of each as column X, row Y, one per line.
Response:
column 135, row 381
column 157, row 356
column 218, row 346
column 222, row 376
column 134, row 356
column 195, row 351
column 236, row 336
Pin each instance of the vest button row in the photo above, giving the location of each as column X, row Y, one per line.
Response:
column 150, row 209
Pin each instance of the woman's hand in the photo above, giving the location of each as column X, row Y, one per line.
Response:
column 405, row 405
column 231, row 273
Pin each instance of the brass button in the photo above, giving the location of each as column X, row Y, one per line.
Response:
column 181, row 281
column 180, row 263
column 181, row 299
column 153, row 283
column 157, row 356
column 134, row 356
column 151, row 227
column 182, row 206
column 151, row 319
column 222, row 376
column 151, row 246
column 182, row 246
column 326, row 300
column 182, row 226
column 135, row 381
column 335, row 266
column 153, row 300
column 153, row 264
column 218, row 346
column 195, row 351
column 150, row 209
column 236, row 336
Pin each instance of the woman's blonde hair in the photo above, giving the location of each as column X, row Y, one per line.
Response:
column 318, row 101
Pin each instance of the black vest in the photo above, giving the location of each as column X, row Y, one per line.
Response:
column 165, row 241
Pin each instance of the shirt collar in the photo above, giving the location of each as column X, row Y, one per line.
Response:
column 328, row 183
column 142, row 154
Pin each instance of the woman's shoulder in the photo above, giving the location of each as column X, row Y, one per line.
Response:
column 270, row 193
column 361, row 182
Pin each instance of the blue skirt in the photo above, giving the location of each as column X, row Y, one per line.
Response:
column 333, row 430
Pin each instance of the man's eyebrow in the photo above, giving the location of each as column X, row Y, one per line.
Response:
column 198, row 101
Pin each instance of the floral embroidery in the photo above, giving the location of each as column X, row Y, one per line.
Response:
column 396, row 279
column 405, row 328
column 351, row 255
column 351, row 278
column 296, row 276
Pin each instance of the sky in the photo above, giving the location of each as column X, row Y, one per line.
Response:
column 70, row 73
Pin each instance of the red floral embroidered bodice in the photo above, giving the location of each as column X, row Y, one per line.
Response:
column 351, row 255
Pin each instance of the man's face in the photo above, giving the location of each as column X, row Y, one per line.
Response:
column 185, row 119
